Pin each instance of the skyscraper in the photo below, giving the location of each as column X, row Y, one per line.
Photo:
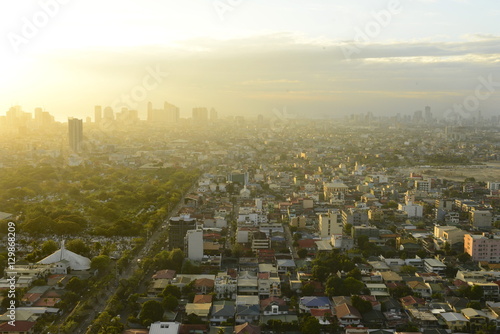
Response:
column 75, row 134
column 200, row 114
column 98, row 114
column 162, row 117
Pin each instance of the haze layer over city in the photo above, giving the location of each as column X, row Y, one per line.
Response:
column 237, row 166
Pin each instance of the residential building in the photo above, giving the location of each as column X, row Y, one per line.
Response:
column 225, row 286
column 330, row 223
column 222, row 311
column 481, row 219
column 347, row 315
column 434, row 266
column 193, row 244
column 164, row 328
column 485, row 247
column 75, row 134
column 355, row 217
column 312, row 302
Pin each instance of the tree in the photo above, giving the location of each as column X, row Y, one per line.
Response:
column 320, row 272
column 361, row 305
column 401, row 291
column 355, row 273
column 334, row 286
column 308, row 289
column 170, row 302
column 78, row 246
column 353, row 286
column 302, row 253
column 152, row 311
column 49, row 247
column 172, row 290
column 176, row 258
column 476, row 292
column 347, row 229
column 464, row 257
column 76, row 285
column 237, row 250
column 100, row 262
column 409, row 270
column 474, row 305
column 310, row 325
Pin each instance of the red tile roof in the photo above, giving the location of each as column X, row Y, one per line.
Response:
column 20, row 326
column 319, row 312
column 202, row 299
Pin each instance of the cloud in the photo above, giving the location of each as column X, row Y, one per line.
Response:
column 256, row 73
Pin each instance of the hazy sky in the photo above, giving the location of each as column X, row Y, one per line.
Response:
column 322, row 58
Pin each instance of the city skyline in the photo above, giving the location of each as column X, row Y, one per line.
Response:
column 316, row 58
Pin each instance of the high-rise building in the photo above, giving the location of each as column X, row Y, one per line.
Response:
column 162, row 117
column 485, row 247
column 193, row 244
column 43, row 118
column 200, row 114
column 177, row 229
column 109, row 114
column 97, row 114
column 213, row 114
column 75, row 134
column 330, row 223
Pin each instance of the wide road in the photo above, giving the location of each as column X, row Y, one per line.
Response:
column 156, row 236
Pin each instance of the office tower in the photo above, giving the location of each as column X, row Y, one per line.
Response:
column 75, row 134
column 97, row 114
column 213, row 114
column 108, row 114
column 150, row 112
column 162, row 117
column 200, row 114
column 172, row 112
column 177, row 229
column 428, row 114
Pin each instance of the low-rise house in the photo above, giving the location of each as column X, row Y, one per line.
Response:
column 285, row 266
column 201, row 310
column 247, row 313
column 373, row 319
column 204, row 285
column 391, row 277
column 455, row 321
column 222, row 311
column 248, row 284
column 421, row 288
column 378, row 289
column 312, row 302
column 476, row 318
column 457, row 304
column 423, row 318
column 273, row 306
column 19, row 327
column 246, row 328
column 347, row 315
column 410, row 302
column 323, row 315
column 202, row 299
column 167, row 274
